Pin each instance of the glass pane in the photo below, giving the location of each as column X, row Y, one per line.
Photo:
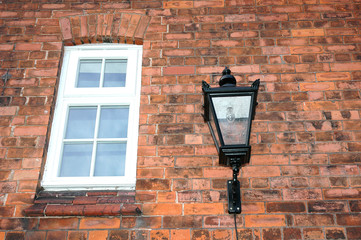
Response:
column 76, row 160
column 110, row 159
column 89, row 73
column 115, row 73
column 213, row 126
column 113, row 122
column 232, row 114
column 81, row 122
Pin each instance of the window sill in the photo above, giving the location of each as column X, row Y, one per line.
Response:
column 105, row 203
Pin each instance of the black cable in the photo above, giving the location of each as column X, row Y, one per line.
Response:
column 235, row 225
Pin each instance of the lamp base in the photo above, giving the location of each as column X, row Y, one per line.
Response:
column 242, row 153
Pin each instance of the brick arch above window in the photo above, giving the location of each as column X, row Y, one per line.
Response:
column 111, row 28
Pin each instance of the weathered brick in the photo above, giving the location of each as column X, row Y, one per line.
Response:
column 285, row 207
column 349, row 219
column 182, row 221
column 335, row 233
column 327, row 206
column 313, row 220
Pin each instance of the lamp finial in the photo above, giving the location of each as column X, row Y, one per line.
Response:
column 227, row 80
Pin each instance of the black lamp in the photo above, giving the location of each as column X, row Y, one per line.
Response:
column 229, row 111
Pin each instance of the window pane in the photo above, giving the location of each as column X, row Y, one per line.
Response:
column 76, row 160
column 81, row 122
column 110, row 160
column 89, row 73
column 115, row 73
column 113, row 122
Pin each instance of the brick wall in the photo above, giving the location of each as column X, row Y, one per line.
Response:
column 303, row 181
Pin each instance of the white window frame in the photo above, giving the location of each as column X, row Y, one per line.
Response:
column 69, row 95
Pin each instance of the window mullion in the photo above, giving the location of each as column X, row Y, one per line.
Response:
column 102, row 73
column 95, row 142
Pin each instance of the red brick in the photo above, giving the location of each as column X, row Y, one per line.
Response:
column 153, row 184
column 275, row 50
column 341, row 31
column 142, row 26
column 174, row 150
column 284, row 207
column 306, row 49
column 240, row 18
column 252, row 208
column 265, row 220
column 327, row 206
column 273, row 17
column 183, row 173
column 166, row 197
column 313, row 233
column 334, row 76
column 61, row 235
column 98, row 235
column 8, row 111
column 99, row 223
column 26, row 174
column 263, row 171
column 342, row 193
column 56, row 223
column 28, row 46
column 178, row 70
column 178, row 52
column 182, row 221
column 203, row 208
column 159, row 234
column 65, row 28
column 24, row 152
column 286, row 9
column 302, row 194
column 162, row 209
column 313, row 220
column 257, row 195
column 30, row 130
column 7, row 211
column 180, row 234
column 244, row 34
column 353, row 232
column 42, row 72
column 325, row 86
column 355, row 66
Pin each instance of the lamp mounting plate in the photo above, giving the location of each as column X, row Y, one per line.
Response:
column 234, row 197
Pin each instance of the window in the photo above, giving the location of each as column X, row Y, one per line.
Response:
column 93, row 142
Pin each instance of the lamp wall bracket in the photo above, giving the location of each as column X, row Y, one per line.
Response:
column 234, row 188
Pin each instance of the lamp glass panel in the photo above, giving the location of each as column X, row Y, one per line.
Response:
column 213, row 128
column 233, row 115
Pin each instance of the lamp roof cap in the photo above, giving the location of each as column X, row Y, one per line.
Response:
column 227, row 79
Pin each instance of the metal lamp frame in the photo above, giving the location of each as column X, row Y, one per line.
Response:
column 226, row 152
